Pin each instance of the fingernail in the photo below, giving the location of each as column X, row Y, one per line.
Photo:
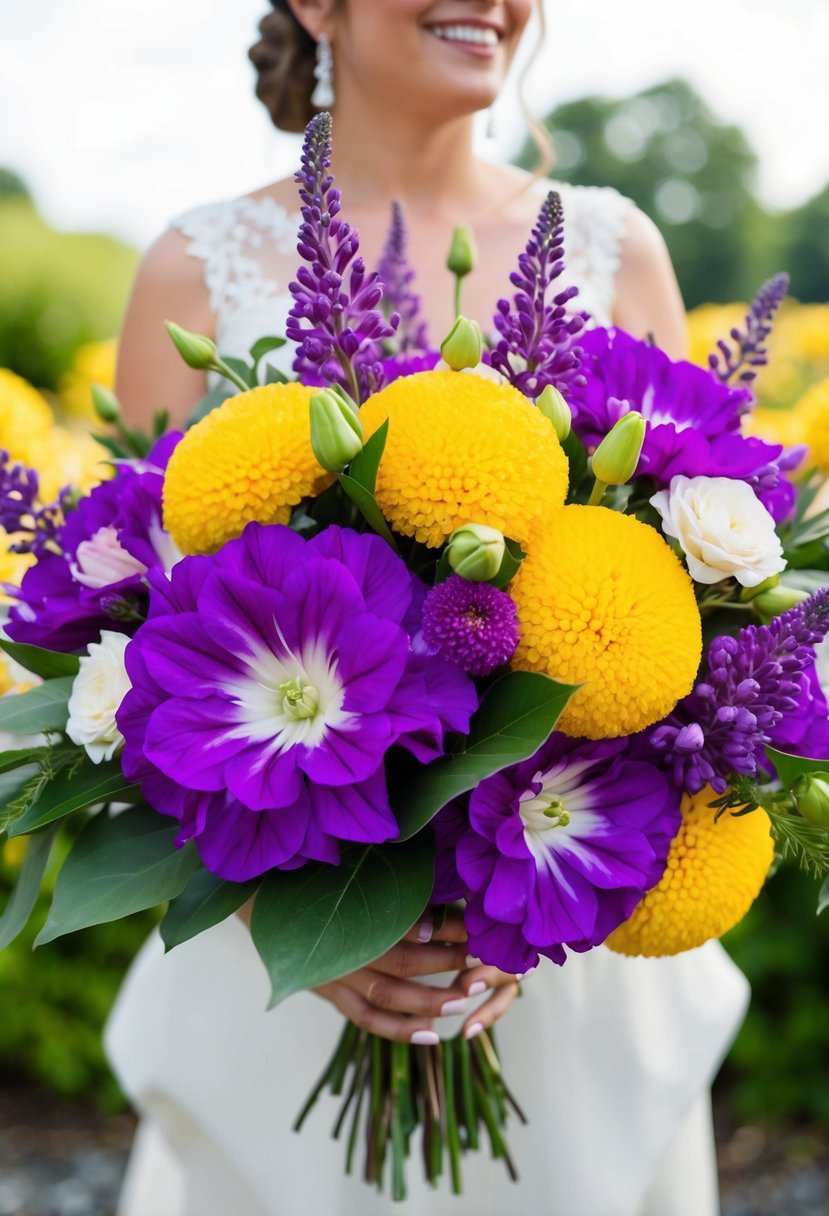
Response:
column 458, row 1005
column 471, row 961
column 477, row 988
column 426, row 1038
column 519, row 975
column 424, row 932
column 472, row 1030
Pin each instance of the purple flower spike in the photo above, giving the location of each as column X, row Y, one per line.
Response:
column 560, row 849
column 472, row 624
column 335, row 319
column 537, row 336
column 21, row 514
column 758, row 688
column 397, row 277
column 729, row 363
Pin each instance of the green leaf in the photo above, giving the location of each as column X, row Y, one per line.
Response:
column 74, row 789
column 264, row 347
column 118, row 865
column 516, row 717
column 13, row 760
column 211, row 401
column 241, row 368
column 513, row 557
column 319, row 922
column 823, row 897
column 364, row 466
column 576, row 454
column 809, row 581
column 367, row 504
column 40, row 709
column 47, row 664
column 12, row 785
column 789, row 767
column 274, row 376
column 204, row 902
column 23, row 898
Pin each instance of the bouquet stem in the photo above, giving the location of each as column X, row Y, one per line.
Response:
column 451, row 1092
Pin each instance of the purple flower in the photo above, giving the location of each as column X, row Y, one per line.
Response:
column 757, row 688
column 750, row 350
column 397, row 277
column 472, row 624
column 537, row 334
column 107, row 546
column 409, row 364
column 268, row 686
column 33, row 524
column 561, row 848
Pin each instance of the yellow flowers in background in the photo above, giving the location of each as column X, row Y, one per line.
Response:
column 94, row 363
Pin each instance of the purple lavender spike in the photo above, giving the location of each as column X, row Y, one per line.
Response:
column 334, row 318
column 397, row 277
column 751, row 682
column 20, row 513
column 729, row 363
column 537, row 336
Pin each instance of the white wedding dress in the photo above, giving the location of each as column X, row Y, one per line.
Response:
column 611, row 1057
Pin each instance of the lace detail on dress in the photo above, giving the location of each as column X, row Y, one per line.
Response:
column 234, row 240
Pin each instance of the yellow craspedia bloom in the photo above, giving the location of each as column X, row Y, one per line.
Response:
column 714, row 874
column 812, row 418
column 94, row 363
column 603, row 601
column 464, row 449
column 24, row 418
column 775, row 426
column 706, row 324
column 70, row 458
column 250, row 459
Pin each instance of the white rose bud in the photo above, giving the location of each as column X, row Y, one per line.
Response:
column 723, row 528
column 99, row 688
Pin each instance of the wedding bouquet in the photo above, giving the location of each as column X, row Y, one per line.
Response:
column 527, row 625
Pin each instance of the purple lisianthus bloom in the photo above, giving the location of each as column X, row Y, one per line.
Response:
column 693, row 419
column 561, row 848
column 108, row 544
column 268, row 686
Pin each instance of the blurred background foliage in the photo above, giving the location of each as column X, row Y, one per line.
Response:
column 61, row 300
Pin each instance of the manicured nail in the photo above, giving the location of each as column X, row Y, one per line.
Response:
column 477, row 988
column 424, row 931
column 471, row 961
column 472, row 1030
column 458, row 1005
column 426, row 1038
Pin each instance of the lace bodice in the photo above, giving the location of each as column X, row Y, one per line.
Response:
column 242, row 242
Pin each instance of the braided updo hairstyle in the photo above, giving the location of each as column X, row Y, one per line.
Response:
column 284, row 59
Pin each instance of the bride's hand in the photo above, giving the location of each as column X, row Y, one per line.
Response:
column 384, row 999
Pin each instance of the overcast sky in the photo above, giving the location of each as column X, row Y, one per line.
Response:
column 121, row 113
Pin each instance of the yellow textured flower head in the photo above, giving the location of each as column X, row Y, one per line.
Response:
column 250, row 459
column 714, row 874
column 24, row 418
column 812, row 418
column 464, row 449
column 603, row 601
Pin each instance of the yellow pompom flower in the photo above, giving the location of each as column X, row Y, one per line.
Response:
column 464, row 449
column 812, row 417
column 24, row 418
column 604, row 602
column 714, row 874
column 250, row 459
column 94, row 363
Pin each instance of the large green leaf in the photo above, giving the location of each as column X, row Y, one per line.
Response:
column 516, row 717
column 364, row 466
column 369, row 509
column 14, row 759
column 44, row 663
column 789, row 767
column 73, row 790
column 40, row 709
column 314, row 924
column 24, row 896
column 204, row 902
column 118, row 865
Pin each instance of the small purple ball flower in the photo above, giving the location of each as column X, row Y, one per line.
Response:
column 472, row 624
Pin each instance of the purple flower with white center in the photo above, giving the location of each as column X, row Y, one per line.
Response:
column 750, row 350
column 33, row 524
column 537, row 344
column 561, row 848
column 693, row 420
column 338, row 328
column 268, row 685
column 757, row 688
column 93, row 576
column 472, row 624
column 397, row 277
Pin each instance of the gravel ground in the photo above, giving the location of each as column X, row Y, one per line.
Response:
column 63, row 1160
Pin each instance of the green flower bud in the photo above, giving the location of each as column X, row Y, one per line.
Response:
column 812, row 793
column 336, row 431
column 553, row 406
column 616, row 457
column 462, row 252
column 475, row 552
column 107, row 405
column 196, row 350
column 463, row 345
column 775, row 600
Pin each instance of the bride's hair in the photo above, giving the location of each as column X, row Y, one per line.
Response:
column 284, row 59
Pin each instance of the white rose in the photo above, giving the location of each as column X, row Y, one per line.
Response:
column 723, row 529
column 99, row 688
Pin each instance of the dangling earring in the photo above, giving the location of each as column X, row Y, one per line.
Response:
column 323, row 94
column 491, row 130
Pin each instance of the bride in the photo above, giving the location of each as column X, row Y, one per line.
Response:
column 611, row 1057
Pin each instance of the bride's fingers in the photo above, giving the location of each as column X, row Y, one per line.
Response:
column 489, row 1013
column 401, row 996
column 432, row 927
column 407, row 959
column 476, row 980
column 377, row 1021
